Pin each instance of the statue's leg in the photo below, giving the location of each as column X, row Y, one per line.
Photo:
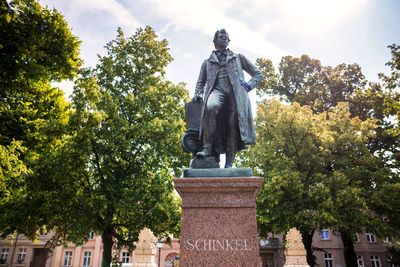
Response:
column 213, row 106
column 233, row 135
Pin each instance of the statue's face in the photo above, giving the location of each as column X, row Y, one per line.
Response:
column 222, row 41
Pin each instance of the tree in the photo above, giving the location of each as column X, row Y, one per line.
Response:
column 112, row 174
column 393, row 80
column 36, row 48
column 308, row 82
column 386, row 204
column 318, row 171
column 36, row 44
column 391, row 83
column 393, row 253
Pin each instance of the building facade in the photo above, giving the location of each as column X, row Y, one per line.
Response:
column 21, row 252
column 34, row 254
column 370, row 250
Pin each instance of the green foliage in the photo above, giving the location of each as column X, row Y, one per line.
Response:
column 392, row 83
column 36, row 44
column 393, row 252
column 353, row 171
column 112, row 174
column 11, row 167
column 318, row 170
column 36, row 48
column 393, row 80
column 306, row 81
column 36, row 117
column 386, row 203
column 12, row 171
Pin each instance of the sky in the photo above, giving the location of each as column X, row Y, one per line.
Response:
column 332, row 31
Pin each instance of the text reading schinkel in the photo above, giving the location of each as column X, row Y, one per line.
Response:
column 217, row 244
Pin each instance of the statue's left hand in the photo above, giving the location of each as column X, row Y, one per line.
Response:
column 245, row 85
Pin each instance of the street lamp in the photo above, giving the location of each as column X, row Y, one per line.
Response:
column 159, row 245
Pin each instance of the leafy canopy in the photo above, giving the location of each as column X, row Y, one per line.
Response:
column 36, row 48
column 306, row 81
column 112, row 174
column 318, row 171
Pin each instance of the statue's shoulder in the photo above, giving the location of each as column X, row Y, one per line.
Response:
column 212, row 58
column 204, row 64
column 241, row 56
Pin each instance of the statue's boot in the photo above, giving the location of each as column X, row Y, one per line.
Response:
column 210, row 120
column 230, row 157
column 206, row 152
column 231, row 144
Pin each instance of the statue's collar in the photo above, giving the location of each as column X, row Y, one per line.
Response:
column 214, row 58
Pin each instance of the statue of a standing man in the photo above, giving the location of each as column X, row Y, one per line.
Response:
column 226, row 124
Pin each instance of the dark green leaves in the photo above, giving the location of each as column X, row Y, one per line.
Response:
column 123, row 147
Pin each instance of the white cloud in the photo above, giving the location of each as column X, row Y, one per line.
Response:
column 311, row 15
column 113, row 12
column 208, row 16
column 187, row 55
column 88, row 19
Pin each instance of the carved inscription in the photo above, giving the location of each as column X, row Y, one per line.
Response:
column 217, row 244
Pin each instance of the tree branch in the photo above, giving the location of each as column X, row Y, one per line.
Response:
column 97, row 161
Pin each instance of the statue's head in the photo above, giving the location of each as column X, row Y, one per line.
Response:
column 221, row 39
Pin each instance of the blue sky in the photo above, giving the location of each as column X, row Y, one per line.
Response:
column 333, row 31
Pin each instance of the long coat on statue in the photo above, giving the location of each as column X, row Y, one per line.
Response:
column 235, row 64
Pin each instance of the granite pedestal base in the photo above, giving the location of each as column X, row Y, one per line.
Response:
column 219, row 226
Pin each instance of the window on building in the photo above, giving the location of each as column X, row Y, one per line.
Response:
column 86, row 258
column 328, row 260
column 325, row 234
column 4, row 255
column 68, row 258
column 172, row 260
column 42, row 231
column 91, row 236
column 357, row 238
column 125, row 257
column 21, row 255
column 375, row 261
column 370, row 237
column 360, row 261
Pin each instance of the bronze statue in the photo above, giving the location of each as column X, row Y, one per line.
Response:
column 226, row 120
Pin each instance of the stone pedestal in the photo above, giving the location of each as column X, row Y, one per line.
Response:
column 145, row 250
column 219, row 221
column 295, row 252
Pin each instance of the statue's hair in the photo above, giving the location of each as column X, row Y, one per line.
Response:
column 218, row 32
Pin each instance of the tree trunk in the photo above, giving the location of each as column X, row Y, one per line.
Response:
column 307, row 241
column 13, row 252
column 350, row 256
column 108, row 243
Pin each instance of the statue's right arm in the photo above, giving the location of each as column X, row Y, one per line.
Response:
column 201, row 82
